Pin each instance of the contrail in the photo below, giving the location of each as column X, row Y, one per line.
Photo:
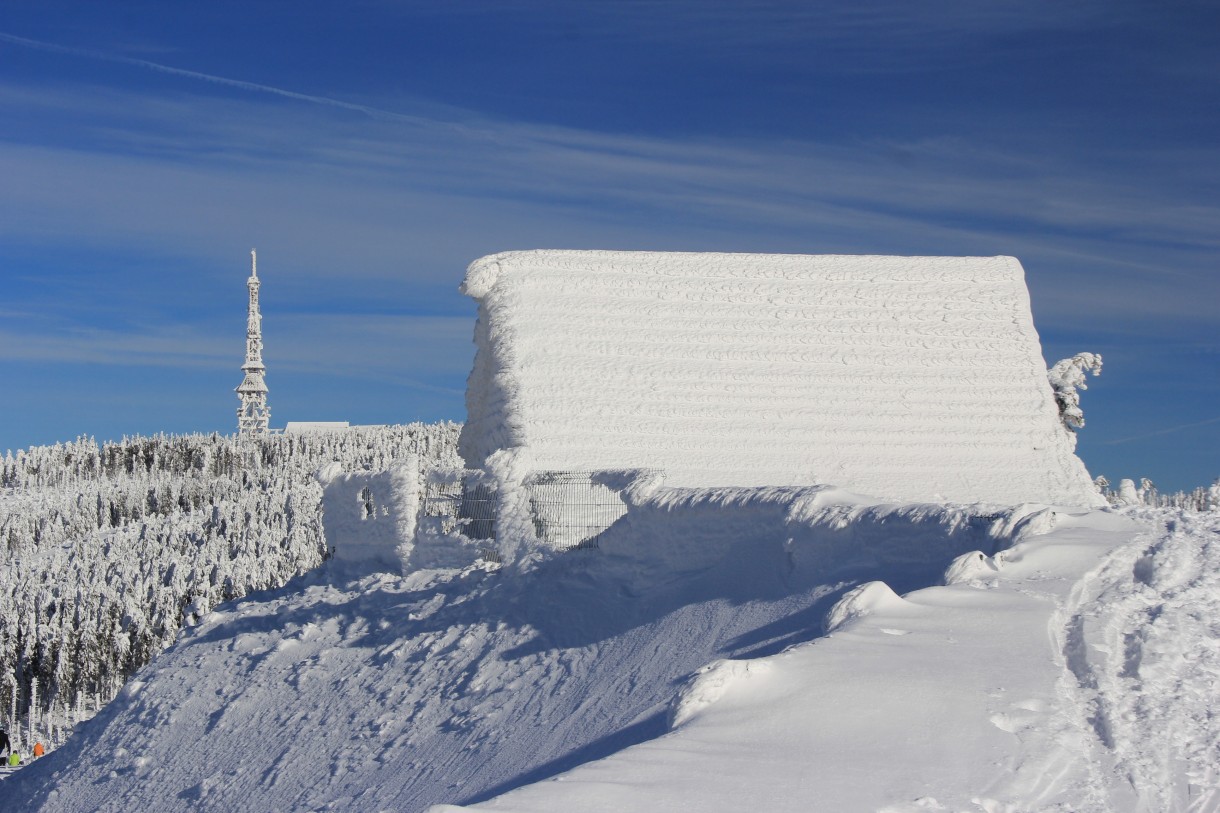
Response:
column 1160, row 432
column 206, row 77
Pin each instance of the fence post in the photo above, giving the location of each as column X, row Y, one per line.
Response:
column 32, row 710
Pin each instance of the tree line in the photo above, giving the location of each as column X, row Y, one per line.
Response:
column 1145, row 493
column 107, row 550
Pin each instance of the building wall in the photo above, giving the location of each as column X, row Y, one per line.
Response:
column 904, row 378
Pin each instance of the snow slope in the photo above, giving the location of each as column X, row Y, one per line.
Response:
column 908, row 378
column 1074, row 672
column 695, row 676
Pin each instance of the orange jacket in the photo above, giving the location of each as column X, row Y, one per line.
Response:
column 38, row 749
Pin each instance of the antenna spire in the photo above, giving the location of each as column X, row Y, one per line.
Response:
column 253, row 416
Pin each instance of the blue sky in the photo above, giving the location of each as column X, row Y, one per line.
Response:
column 370, row 150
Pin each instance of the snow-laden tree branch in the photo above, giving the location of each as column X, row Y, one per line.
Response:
column 1066, row 377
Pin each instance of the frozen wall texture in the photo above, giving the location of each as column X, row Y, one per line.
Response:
column 368, row 517
column 904, row 378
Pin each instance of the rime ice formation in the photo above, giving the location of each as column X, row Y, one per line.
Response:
column 253, row 416
column 906, row 378
column 369, row 515
column 1066, row 377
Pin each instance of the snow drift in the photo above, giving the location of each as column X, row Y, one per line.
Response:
column 1064, row 664
column 391, row 692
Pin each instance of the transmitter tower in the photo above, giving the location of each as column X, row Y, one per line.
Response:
column 253, row 416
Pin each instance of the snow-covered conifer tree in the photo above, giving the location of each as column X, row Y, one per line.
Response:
column 1066, row 377
column 103, row 548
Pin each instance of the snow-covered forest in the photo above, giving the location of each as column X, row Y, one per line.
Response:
column 109, row 549
column 1202, row 498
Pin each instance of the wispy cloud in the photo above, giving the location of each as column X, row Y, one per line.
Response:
column 399, row 199
column 82, row 345
column 1161, row 432
column 239, row 84
column 926, row 178
column 939, row 179
column 890, row 31
column 408, row 201
column 334, row 342
column 328, row 344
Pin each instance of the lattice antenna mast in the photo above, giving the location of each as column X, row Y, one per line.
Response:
column 253, row 416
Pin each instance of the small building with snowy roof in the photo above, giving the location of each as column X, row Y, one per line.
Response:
column 903, row 378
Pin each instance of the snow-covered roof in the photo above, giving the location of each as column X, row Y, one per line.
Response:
column 294, row 427
column 906, row 378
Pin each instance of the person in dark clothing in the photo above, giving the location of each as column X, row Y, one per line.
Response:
column 4, row 743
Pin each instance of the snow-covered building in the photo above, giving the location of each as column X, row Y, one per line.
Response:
column 306, row 427
column 904, row 378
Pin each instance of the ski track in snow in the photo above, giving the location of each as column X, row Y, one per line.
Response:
column 1142, row 643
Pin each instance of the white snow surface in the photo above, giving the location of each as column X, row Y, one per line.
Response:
column 1070, row 664
column 907, row 378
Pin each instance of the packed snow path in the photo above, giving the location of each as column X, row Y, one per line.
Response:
column 691, row 685
column 1142, row 643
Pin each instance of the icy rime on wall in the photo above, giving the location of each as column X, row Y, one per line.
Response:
column 906, row 378
column 105, row 550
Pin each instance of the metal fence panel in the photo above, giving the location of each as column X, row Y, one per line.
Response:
column 462, row 504
column 570, row 509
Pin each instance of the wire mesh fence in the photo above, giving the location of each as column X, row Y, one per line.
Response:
column 461, row 504
column 571, row 510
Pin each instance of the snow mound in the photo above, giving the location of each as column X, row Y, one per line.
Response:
column 974, row 568
column 906, row 378
column 709, row 685
column 862, row 601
